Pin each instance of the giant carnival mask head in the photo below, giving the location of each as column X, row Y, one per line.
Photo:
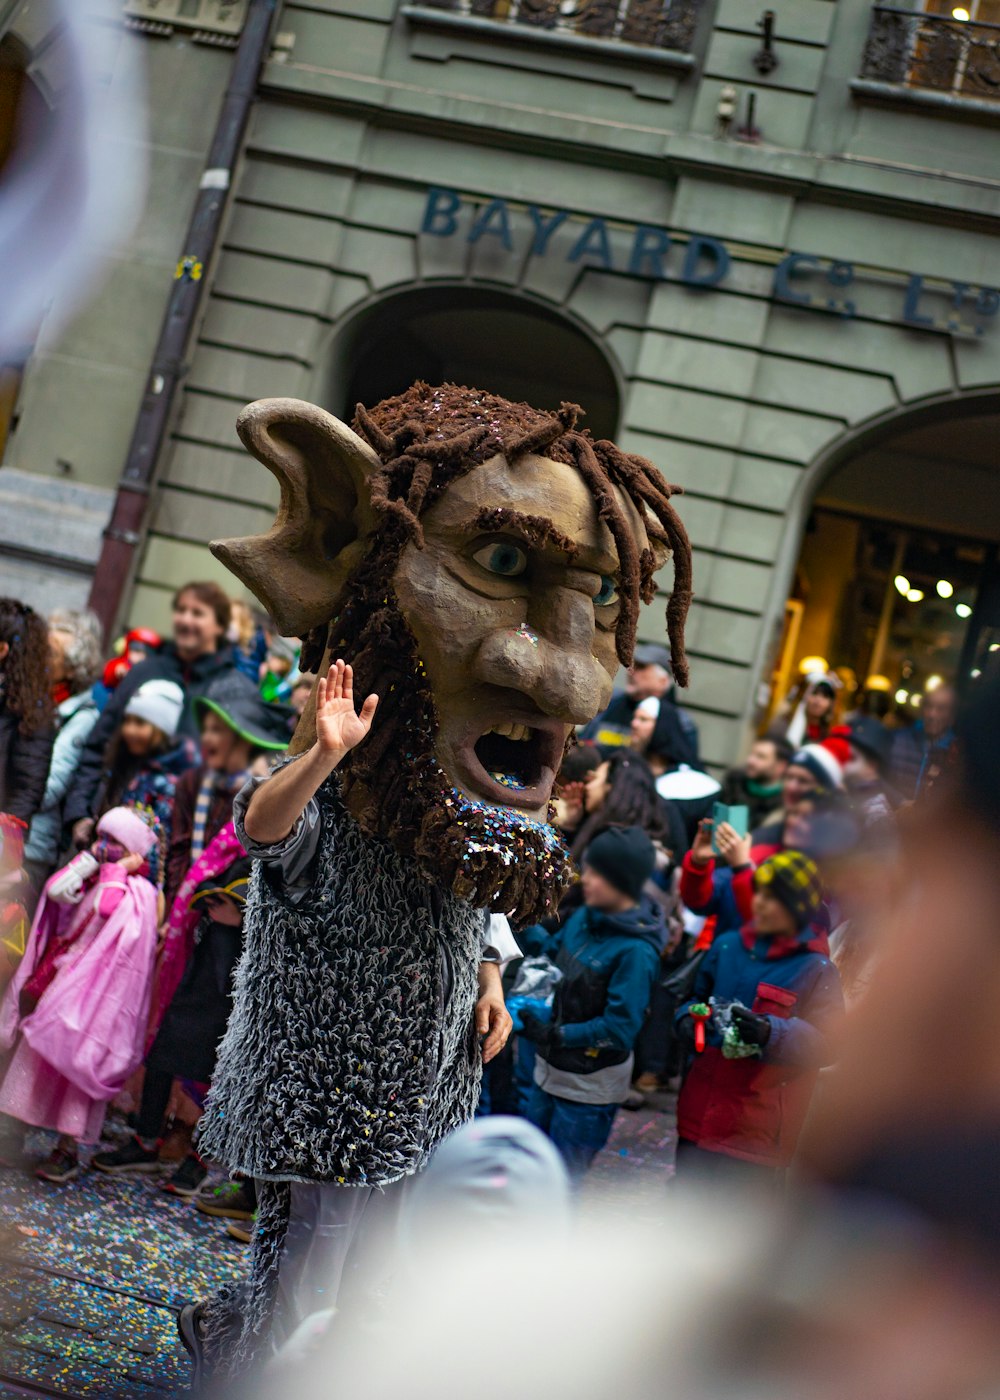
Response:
column 480, row 564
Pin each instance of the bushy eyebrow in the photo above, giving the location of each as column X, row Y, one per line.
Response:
column 536, row 530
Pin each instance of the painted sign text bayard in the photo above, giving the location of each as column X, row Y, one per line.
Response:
column 798, row 279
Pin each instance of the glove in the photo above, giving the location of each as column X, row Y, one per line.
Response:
column 542, row 1034
column 753, row 1029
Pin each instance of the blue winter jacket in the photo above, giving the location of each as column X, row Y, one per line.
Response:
column 609, row 963
column 76, row 717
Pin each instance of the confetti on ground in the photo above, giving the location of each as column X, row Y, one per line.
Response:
column 93, row 1276
column 93, row 1273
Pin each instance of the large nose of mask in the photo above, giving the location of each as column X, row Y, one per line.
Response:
column 550, row 659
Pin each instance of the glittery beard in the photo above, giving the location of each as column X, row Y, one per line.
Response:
column 494, row 857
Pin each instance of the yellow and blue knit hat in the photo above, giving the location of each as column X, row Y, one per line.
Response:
column 794, row 880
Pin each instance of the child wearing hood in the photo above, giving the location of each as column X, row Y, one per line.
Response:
column 768, row 997
column 609, row 954
column 74, row 1014
column 145, row 761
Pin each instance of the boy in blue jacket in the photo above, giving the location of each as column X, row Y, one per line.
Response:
column 609, row 954
column 777, row 995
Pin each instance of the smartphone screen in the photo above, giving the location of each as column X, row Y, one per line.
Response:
column 738, row 817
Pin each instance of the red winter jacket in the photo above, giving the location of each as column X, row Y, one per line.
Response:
column 754, row 1108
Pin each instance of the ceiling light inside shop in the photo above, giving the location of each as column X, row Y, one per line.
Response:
column 809, row 665
column 902, row 584
column 944, row 588
column 915, row 595
column 963, row 610
column 915, row 699
column 994, row 646
column 878, row 682
column 933, row 682
column 960, row 12
column 975, row 673
column 902, row 696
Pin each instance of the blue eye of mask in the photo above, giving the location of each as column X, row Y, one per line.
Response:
column 608, row 593
column 502, row 558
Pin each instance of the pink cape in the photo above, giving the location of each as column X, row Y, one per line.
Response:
column 89, row 1025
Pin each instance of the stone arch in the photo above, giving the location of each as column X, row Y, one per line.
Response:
column 505, row 340
column 946, row 410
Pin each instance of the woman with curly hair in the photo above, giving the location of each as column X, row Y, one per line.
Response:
column 25, row 709
column 75, row 661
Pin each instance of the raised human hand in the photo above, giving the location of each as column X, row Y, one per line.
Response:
column 733, row 848
column 339, row 727
column 701, row 846
column 570, row 806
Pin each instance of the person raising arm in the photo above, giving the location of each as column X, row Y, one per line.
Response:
column 278, row 803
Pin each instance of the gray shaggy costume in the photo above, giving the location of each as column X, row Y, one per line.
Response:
column 352, row 1049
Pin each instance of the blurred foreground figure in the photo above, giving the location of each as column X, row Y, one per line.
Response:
column 73, row 186
column 913, row 1112
column 718, row 1302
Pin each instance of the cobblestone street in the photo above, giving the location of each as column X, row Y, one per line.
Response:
column 95, row 1272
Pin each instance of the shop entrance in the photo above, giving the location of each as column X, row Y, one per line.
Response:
column 897, row 586
column 478, row 336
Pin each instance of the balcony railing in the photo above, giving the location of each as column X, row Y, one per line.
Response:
column 947, row 55
column 660, row 24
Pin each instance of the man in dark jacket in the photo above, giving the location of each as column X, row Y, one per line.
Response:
column 650, row 678
column 771, row 995
column 922, row 753
column 194, row 659
column 609, row 955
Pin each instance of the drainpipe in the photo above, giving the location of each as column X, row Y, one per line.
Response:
column 126, row 528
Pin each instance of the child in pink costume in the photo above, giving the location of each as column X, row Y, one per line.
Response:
column 75, row 1012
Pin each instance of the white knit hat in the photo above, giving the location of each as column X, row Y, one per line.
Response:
column 822, row 764
column 159, row 703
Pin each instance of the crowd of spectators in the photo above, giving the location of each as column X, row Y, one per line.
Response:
column 707, row 947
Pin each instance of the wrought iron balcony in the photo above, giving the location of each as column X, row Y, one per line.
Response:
column 938, row 52
column 657, row 24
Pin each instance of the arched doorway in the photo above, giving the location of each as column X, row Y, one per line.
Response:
column 897, row 584
column 473, row 335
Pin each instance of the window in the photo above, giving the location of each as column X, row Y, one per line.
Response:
column 950, row 46
column 665, row 24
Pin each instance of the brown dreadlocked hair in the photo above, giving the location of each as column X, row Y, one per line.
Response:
column 428, row 436
column 25, row 670
column 426, row 439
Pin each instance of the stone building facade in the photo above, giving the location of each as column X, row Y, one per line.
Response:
column 760, row 247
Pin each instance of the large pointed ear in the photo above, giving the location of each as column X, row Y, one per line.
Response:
column 324, row 515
